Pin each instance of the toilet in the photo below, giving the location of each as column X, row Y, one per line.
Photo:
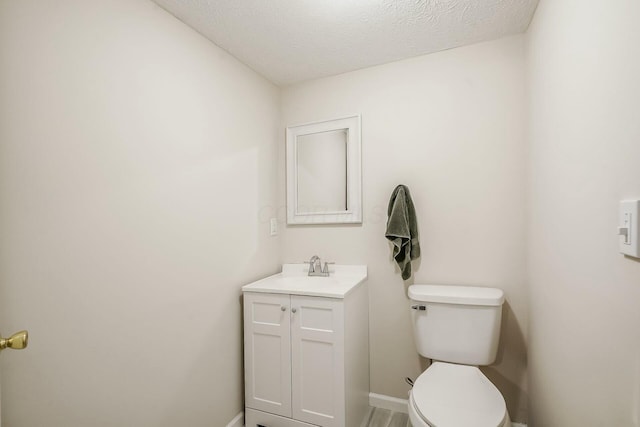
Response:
column 458, row 327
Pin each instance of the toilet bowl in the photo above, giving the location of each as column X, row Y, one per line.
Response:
column 450, row 395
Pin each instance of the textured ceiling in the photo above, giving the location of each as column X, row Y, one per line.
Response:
column 288, row 41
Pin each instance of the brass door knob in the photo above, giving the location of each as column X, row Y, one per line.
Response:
column 17, row 341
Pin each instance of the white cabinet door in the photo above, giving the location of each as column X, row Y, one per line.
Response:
column 267, row 350
column 317, row 353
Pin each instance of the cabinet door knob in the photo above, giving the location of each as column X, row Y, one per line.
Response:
column 283, row 308
column 293, row 310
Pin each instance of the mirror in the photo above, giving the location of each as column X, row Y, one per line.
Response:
column 323, row 172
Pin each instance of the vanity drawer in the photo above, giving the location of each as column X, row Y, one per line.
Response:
column 254, row 418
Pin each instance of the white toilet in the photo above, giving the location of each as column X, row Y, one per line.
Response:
column 459, row 328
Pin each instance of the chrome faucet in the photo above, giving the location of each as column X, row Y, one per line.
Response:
column 316, row 268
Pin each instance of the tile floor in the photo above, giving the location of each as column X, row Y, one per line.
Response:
column 386, row 418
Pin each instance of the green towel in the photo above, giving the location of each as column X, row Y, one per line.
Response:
column 402, row 229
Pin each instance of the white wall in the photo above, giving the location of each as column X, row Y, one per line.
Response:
column 137, row 177
column 452, row 127
column 135, row 160
column 584, row 68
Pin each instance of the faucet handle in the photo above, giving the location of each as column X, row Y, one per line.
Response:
column 325, row 269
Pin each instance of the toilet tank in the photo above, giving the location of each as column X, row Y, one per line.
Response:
column 457, row 324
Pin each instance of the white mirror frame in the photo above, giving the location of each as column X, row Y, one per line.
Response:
column 353, row 214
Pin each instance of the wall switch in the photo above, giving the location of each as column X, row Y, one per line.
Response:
column 273, row 230
column 629, row 228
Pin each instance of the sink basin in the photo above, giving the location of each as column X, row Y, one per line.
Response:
column 294, row 280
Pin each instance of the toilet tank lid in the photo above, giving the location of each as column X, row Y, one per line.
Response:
column 449, row 294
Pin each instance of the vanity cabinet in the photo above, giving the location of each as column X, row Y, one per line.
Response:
column 306, row 358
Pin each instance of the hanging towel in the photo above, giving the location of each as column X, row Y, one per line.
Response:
column 402, row 229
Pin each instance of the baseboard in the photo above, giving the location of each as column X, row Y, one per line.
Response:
column 388, row 402
column 237, row 421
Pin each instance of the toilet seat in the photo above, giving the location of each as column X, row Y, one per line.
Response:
column 449, row 395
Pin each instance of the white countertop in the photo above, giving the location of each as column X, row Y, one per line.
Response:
column 294, row 280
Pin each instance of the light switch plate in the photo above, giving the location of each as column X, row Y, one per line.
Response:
column 629, row 228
